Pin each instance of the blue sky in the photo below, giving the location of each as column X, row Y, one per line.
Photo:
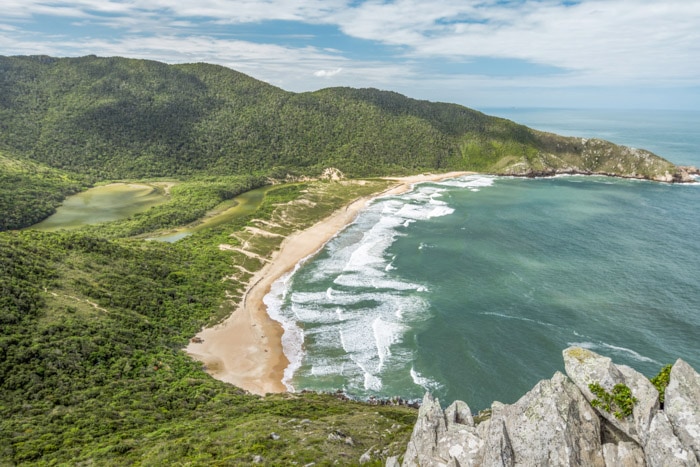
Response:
column 479, row 53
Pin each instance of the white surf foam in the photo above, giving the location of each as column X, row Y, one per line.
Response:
column 469, row 181
column 616, row 349
column 293, row 335
column 426, row 383
column 386, row 334
column 357, row 324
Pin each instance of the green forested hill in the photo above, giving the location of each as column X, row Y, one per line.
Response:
column 118, row 118
column 29, row 192
column 113, row 117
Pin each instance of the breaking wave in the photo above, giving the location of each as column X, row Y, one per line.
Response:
column 350, row 310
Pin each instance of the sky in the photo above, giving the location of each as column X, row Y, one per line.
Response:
column 480, row 53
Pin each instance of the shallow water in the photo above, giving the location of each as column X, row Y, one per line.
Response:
column 102, row 204
column 472, row 287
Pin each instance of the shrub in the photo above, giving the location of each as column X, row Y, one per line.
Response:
column 620, row 402
column 660, row 381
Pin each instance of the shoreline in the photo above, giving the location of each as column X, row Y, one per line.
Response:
column 246, row 348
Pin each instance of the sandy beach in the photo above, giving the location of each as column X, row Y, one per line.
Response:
column 246, row 349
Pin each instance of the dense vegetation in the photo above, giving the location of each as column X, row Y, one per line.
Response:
column 30, row 192
column 91, row 366
column 118, row 118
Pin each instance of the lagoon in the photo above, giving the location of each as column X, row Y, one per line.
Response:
column 242, row 205
column 103, row 204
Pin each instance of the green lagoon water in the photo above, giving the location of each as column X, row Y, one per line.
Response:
column 472, row 287
column 102, row 204
column 121, row 200
column 242, row 205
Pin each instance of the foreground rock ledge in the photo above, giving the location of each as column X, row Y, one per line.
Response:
column 555, row 424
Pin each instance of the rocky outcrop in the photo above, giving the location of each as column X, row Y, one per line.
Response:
column 682, row 404
column 443, row 437
column 561, row 155
column 556, row 424
column 585, row 367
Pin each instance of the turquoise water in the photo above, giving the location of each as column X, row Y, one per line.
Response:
column 471, row 288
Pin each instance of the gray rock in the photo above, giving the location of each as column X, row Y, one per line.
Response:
column 497, row 449
column 429, row 426
column 647, row 399
column 366, row 457
column 663, row 448
column 585, row 367
column 553, row 424
column 393, row 461
column 434, row 441
column 682, row 405
column 459, row 413
column 623, row 454
column 619, row 449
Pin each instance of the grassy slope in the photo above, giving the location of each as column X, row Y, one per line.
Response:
column 90, row 361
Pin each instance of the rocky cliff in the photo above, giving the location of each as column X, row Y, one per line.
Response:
column 561, row 421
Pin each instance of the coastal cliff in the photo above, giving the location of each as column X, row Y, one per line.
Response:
column 584, row 156
column 559, row 422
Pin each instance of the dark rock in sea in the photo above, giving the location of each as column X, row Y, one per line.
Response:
column 556, row 424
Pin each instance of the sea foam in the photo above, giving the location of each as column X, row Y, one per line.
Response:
column 353, row 309
column 615, row 349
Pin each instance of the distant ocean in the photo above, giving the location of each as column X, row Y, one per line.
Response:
column 472, row 287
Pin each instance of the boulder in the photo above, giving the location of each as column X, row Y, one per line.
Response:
column 682, row 405
column 585, row 367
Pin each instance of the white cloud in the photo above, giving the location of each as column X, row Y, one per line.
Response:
column 594, row 42
column 637, row 40
column 327, row 73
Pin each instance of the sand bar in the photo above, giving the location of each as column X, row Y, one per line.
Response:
column 246, row 349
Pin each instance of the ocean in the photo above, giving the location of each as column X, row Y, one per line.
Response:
column 470, row 288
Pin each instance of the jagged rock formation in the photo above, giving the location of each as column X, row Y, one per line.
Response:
column 556, row 424
column 583, row 156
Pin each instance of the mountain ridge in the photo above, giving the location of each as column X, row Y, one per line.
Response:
column 124, row 118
